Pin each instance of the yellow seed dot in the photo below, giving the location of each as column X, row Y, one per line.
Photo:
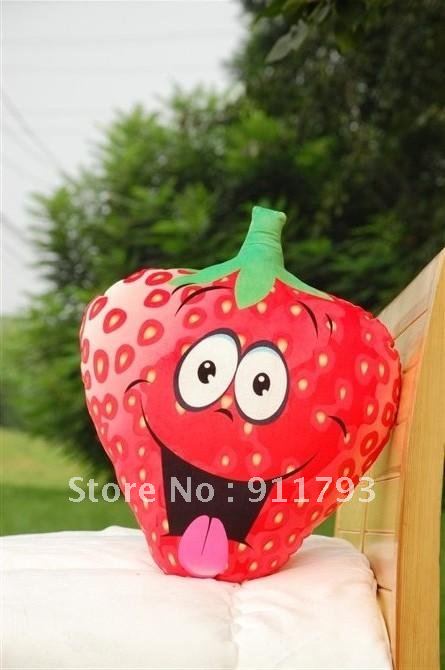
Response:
column 290, row 468
column 282, row 344
column 123, row 359
column 102, row 430
column 369, row 409
column 261, row 307
column 300, row 503
column 95, row 410
column 145, row 503
column 242, row 547
column 248, row 428
column 381, row 370
column 302, row 384
column 149, row 332
column 256, row 459
column 142, row 423
column 184, row 348
column 108, row 408
column 346, row 471
column 364, row 367
column 295, row 310
column 368, row 337
column 193, row 318
column 226, row 401
column 179, row 408
column 225, row 460
column 151, row 376
column 242, row 339
column 226, row 306
column 154, row 537
column 132, row 401
column 171, row 559
column 320, row 416
column 253, row 566
column 274, row 563
column 347, row 438
column 323, row 360
column 114, row 319
column 342, row 393
column 268, row 546
column 165, row 525
column 157, row 297
column 100, row 365
column 315, row 515
column 142, row 474
column 278, row 518
column 141, row 451
column 119, row 447
column 291, row 539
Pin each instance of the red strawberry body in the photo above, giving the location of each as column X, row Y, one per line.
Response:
column 183, row 382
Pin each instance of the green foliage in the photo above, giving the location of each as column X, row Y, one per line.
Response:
column 35, row 490
column 344, row 130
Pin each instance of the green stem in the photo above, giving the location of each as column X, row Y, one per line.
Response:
column 259, row 262
column 264, row 236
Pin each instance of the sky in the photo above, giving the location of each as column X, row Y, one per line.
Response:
column 66, row 68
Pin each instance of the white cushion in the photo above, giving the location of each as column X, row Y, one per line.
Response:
column 97, row 600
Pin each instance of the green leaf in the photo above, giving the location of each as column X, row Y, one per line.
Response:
column 291, row 41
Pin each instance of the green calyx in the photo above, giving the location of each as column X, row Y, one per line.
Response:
column 259, row 262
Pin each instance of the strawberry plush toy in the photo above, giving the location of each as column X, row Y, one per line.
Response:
column 238, row 405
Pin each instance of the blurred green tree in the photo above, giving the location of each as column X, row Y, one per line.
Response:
column 342, row 127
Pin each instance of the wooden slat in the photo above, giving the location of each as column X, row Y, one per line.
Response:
column 390, row 460
column 417, row 603
column 410, row 341
column 381, row 549
column 351, row 514
column 413, row 300
column 387, row 602
column 399, row 530
column 408, row 394
column 383, row 512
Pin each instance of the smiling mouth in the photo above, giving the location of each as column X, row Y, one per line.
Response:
column 191, row 492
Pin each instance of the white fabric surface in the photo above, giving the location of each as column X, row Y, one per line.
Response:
column 97, row 600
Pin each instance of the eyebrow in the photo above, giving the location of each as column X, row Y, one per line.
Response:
column 340, row 422
column 134, row 382
column 198, row 291
column 311, row 314
column 178, row 288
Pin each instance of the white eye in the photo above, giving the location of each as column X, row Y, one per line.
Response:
column 206, row 370
column 261, row 383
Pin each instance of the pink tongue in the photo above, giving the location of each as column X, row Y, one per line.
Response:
column 203, row 548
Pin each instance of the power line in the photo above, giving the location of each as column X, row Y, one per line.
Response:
column 8, row 224
column 11, row 254
column 29, row 149
column 129, row 40
column 20, row 171
column 25, row 69
column 29, row 132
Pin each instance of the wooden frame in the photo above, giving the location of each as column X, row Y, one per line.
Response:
column 399, row 530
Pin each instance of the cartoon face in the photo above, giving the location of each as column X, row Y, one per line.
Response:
column 234, row 406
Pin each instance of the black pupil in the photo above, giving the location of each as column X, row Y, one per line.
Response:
column 206, row 370
column 261, row 383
